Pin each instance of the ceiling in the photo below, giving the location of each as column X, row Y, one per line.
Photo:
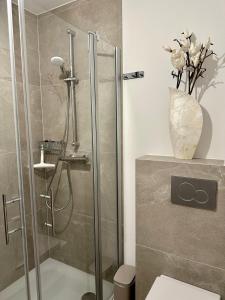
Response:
column 38, row 7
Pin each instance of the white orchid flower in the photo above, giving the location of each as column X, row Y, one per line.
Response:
column 187, row 34
column 167, row 48
column 178, row 59
column 186, row 45
column 195, row 59
column 208, row 44
column 194, row 49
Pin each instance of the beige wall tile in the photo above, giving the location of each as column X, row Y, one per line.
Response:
column 194, row 235
column 7, row 131
column 103, row 16
column 152, row 263
column 4, row 40
column 78, row 247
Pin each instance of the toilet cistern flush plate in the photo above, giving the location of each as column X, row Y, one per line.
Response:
column 194, row 192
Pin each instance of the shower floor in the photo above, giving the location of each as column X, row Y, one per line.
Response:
column 59, row 281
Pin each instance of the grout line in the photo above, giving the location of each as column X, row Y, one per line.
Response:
column 44, row 11
column 42, row 116
column 39, row 64
column 56, row 7
column 180, row 257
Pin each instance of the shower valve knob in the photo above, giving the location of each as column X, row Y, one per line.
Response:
column 48, row 225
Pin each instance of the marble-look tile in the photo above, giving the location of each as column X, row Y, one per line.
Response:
column 4, row 40
column 192, row 233
column 32, row 47
column 40, row 184
column 84, row 115
column 103, row 16
column 108, row 183
column 78, row 247
column 31, row 29
column 194, row 161
column 109, row 245
column 11, row 256
column 7, row 131
column 107, row 116
column 54, row 102
column 5, row 64
column 106, row 61
column 9, row 184
column 10, row 259
column 81, row 180
column 35, row 116
column 33, row 66
column 152, row 263
column 54, row 99
column 54, row 41
column 82, row 190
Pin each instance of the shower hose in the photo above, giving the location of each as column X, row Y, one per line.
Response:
column 59, row 170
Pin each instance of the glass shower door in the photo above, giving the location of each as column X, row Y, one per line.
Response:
column 14, row 280
column 62, row 180
column 109, row 153
column 72, row 156
column 106, row 136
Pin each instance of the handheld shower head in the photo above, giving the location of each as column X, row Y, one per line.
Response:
column 57, row 61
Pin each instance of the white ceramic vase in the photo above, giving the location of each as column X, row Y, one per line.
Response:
column 186, row 121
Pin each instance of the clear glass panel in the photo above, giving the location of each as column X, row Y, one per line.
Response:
column 64, row 186
column 107, row 109
column 60, row 122
column 12, row 279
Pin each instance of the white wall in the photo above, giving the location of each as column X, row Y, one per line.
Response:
column 147, row 25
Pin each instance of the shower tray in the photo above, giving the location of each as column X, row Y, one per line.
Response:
column 59, row 281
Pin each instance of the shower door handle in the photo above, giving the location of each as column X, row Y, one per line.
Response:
column 52, row 224
column 52, row 213
column 5, row 213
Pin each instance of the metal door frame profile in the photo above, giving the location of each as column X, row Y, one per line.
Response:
column 26, row 93
column 95, row 162
column 119, row 156
column 93, row 39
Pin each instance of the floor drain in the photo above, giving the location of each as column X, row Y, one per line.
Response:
column 88, row 296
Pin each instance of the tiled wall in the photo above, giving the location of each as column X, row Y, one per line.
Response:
column 78, row 247
column 46, row 37
column 181, row 242
column 102, row 16
column 11, row 259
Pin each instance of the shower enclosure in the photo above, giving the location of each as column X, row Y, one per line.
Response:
column 60, row 152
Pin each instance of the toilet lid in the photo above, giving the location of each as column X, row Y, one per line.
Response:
column 166, row 288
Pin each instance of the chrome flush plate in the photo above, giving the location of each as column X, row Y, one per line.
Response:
column 194, row 192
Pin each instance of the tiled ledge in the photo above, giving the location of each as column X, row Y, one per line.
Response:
column 200, row 161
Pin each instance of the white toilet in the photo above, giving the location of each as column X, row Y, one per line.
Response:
column 166, row 288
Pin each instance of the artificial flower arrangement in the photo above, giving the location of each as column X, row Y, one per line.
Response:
column 189, row 58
